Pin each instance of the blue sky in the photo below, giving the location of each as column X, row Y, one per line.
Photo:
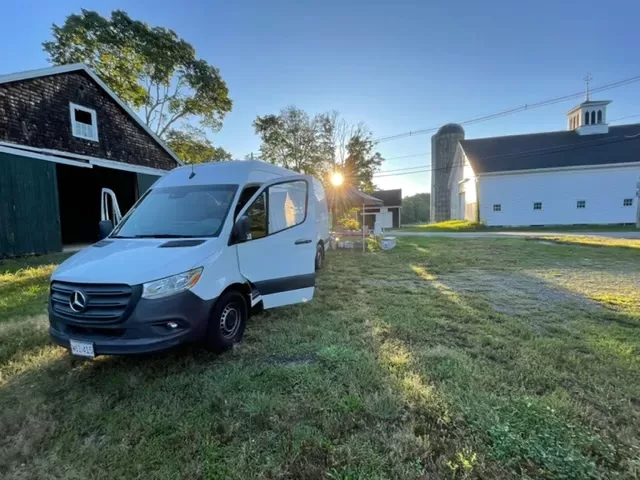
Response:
column 395, row 65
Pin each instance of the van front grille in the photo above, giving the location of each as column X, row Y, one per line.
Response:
column 91, row 302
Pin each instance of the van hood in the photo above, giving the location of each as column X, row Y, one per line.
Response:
column 132, row 261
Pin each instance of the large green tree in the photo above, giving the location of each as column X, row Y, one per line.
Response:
column 150, row 68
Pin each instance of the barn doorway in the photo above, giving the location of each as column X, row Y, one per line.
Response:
column 79, row 195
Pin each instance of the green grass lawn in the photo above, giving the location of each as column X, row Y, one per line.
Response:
column 443, row 358
column 467, row 226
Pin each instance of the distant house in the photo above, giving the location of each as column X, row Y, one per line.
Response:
column 389, row 213
column 584, row 175
column 64, row 135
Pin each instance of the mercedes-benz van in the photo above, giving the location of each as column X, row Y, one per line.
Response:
column 191, row 259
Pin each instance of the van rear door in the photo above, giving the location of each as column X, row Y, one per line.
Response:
column 279, row 258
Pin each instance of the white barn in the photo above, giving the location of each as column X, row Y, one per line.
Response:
column 584, row 175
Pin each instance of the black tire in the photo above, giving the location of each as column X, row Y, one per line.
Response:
column 227, row 322
column 319, row 257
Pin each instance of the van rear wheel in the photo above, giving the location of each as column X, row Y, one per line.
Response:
column 227, row 322
column 319, row 257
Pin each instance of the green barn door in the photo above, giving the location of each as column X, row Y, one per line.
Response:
column 29, row 212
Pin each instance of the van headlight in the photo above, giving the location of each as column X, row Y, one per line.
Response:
column 171, row 285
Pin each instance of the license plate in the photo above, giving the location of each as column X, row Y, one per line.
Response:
column 82, row 349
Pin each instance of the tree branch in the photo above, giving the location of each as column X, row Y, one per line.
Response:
column 160, row 129
column 176, row 117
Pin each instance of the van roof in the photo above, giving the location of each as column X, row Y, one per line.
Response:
column 236, row 172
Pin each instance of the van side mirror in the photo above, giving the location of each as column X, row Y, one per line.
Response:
column 104, row 227
column 242, row 229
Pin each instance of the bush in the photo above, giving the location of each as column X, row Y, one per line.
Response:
column 374, row 243
column 348, row 221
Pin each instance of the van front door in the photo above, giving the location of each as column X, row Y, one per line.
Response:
column 279, row 257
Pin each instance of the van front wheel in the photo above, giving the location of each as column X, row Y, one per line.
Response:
column 227, row 322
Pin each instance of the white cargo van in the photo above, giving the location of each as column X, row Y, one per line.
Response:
column 201, row 249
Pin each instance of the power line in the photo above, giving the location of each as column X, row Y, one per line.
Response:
column 409, row 156
column 623, row 118
column 511, row 111
column 429, row 153
column 400, row 169
column 542, row 151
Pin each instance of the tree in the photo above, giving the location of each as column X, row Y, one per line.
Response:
column 319, row 145
column 192, row 146
column 415, row 209
column 290, row 139
column 150, row 68
column 349, row 149
column 334, row 133
column 361, row 162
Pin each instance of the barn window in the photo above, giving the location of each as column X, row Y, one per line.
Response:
column 497, row 207
column 537, row 205
column 83, row 122
column 627, row 202
column 581, row 204
column 599, row 116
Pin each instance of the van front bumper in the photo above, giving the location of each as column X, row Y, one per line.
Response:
column 144, row 327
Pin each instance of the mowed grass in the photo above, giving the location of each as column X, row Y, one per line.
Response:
column 594, row 241
column 468, row 226
column 483, row 358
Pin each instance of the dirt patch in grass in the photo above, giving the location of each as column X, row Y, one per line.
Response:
column 513, row 293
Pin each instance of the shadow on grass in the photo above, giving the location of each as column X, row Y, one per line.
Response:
column 533, row 382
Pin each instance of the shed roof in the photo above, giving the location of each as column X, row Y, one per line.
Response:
column 45, row 72
column 553, row 149
column 390, row 198
column 358, row 198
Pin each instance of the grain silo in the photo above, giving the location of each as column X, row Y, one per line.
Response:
column 443, row 150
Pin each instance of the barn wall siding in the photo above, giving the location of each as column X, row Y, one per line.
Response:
column 29, row 212
column 35, row 112
column 602, row 189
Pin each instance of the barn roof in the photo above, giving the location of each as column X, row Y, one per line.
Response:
column 75, row 67
column 553, row 150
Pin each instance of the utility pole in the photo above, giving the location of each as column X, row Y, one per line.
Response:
column 638, row 204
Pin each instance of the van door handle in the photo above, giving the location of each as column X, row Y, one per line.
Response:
column 302, row 241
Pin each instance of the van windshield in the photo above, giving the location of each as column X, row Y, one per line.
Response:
column 178, row 212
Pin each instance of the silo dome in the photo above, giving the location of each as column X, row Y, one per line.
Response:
column 451, row 128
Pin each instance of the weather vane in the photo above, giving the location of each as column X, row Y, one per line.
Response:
column 587, row 80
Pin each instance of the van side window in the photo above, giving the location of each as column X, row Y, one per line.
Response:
column 287, row 205
column 257, row 212
column 245, row 196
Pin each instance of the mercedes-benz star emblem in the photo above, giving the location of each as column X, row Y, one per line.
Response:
column 77, row 302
